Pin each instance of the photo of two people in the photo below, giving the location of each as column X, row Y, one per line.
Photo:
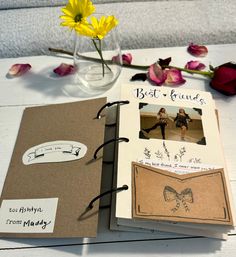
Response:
column 171, row 123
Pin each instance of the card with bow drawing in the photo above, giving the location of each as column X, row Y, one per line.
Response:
column 199, row 197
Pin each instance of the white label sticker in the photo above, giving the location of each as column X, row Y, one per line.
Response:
column 28, row 215
column 55, row 151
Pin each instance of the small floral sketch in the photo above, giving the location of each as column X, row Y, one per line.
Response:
column 166, row 151
column 171, row 123
column 163, row 154
column 195, row 160
column 159, row 155
column 178, row 156
column 181, row 199
column 147, row 153
column 172, row 157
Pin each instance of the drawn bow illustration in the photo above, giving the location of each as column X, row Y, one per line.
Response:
column 170, row 194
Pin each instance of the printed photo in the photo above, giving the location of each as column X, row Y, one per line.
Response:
column 171, row 123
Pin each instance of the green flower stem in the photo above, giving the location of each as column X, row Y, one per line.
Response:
column 204, row 73
column 99, row 50
column 61, row 51
column 209, row 74
column 100, row 53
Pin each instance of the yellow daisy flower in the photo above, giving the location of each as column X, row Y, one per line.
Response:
column 98, row 27
column 76, row 12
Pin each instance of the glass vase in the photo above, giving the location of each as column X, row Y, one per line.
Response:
column 98, row 62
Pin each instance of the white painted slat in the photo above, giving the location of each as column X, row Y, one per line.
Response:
column 168, row 248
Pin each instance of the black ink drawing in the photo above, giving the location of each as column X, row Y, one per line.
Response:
column 186, row 195
column 166, row 155
column 166, row 151
column 74, row 150
column 159, row 155
column 52, row 148
column 54, row 151
column 178, row 156
column 147, row 153
column 199, row 111
column 195, row 160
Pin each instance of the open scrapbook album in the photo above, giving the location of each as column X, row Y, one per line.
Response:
column 170, row 167
column 173, row 164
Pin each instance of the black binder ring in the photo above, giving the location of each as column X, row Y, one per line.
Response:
column 124, row 187
column 109, row 105
column 125, row 139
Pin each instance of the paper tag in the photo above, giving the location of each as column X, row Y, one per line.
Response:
column 28, row 215
column 55, row 151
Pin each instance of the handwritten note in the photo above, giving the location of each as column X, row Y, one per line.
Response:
column 178, row 168
column 173, row 95
column 28, row 215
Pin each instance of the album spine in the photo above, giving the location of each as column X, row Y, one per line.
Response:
column 117, row 139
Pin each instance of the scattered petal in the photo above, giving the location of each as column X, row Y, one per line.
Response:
column 19, row 69
column 197, row 50
column 211, row 67
column 195, row 65
column 156, row 75
column 116, row 59
column 174, row 77
column 126, row 58
column 164, row 62
column 139, row 76
column 64, row 69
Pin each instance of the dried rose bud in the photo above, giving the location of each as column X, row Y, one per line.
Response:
column 224, row 79
column 195, row 65
column 19, row 69
column 197, row 50
column 64, row 69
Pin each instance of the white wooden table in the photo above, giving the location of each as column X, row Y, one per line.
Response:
column 40, row 87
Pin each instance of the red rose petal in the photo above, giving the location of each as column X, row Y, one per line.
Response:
column 195, row 65
column 19, row 69
column 64, row 69
column 197, row 50
column 126, row 58
column 174, row 77
column 156, row 75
